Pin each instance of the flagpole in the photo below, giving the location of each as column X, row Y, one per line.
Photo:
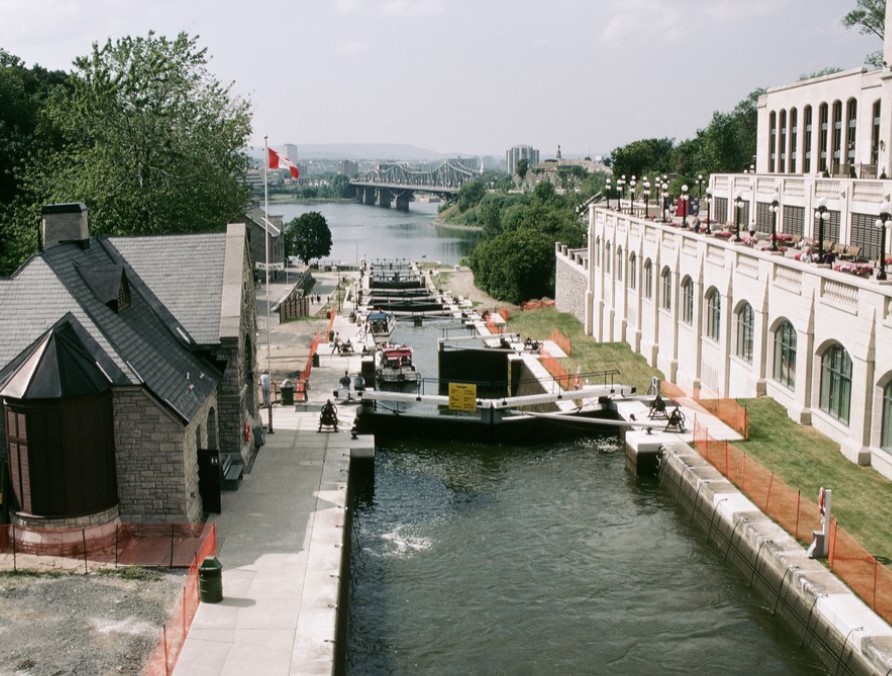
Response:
column 266, row 247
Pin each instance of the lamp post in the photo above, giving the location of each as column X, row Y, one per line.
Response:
column 708, row 211
column 738, row 205
column 646, row 198
column 632, row 183
column 621, row 192
column 684, row 205
column 822, row 213
column 885, row 216
column 607, row 190
column 775, row 206
column 664, row 186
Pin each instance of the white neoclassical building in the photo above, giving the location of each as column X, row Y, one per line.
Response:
column 740, row 320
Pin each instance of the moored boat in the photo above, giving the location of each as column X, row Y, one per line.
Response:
column 380, row 324
column 393, row 365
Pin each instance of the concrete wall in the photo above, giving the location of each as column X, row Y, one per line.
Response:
column 821, row 610
column 570, row 281
column 825, row 307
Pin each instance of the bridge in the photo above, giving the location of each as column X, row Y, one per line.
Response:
column 398, row 183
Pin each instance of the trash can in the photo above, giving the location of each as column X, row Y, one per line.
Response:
column 316, row 359
column 331, row 336
column 287, row 392
column 210, row 580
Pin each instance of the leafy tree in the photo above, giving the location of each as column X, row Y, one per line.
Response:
column 340, row 186
column 869, row 16
column 470, row 194
column 644, row 156
column 308, row 237
column 523, row 166
column 515, row 266
column 152, row 143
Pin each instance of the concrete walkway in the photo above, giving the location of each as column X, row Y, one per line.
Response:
column 282, row 542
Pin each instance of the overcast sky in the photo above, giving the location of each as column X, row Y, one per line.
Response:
column 469, row 76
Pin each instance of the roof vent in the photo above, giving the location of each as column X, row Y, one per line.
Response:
column 64, row 223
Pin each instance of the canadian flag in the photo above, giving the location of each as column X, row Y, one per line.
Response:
column 277, row 161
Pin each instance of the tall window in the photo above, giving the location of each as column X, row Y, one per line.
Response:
column 713, row 314
column 598, row 252
column 745, row 333
column 619, row 263
column 648, row 279
column 886, row 434
column 837, row 136
column 772, row 140
column 875, row 134
column 633, row 271
column 806, row 139
column 794, row 139
column 823, row 128
column 782, row 144
column 607, row 257
column 666, row 291
column 785, row 355
column 687, row 301
column 852, row 124
column 836, row 383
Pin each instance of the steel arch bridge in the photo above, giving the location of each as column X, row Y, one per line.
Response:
column 399, row 182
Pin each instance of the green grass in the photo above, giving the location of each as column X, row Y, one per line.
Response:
column 130, row 573
column 588, row 355
column 807, row 460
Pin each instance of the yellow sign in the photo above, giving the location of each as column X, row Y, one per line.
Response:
column 462, row 397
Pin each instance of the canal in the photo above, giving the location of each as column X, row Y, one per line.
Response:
column 473, row 559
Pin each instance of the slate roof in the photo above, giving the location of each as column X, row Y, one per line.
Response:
column 264, row 221
column 185, row 272
column 144, row 341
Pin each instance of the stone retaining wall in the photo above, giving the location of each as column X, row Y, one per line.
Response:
column 570, row 282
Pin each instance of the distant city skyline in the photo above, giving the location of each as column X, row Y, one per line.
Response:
column 469, row 78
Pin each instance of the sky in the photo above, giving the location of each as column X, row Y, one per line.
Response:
column 470, row 77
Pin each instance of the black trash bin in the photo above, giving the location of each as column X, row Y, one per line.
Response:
column 287, row 392
column 210, row 580
column 315, row 359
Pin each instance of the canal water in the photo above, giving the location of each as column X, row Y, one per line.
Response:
column 553, row 559
column 359, row 231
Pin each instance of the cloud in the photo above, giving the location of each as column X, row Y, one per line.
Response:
column 347, row 6
column 412, row 8
column 352, row 47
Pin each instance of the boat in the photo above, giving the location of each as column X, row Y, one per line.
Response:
column 380, row 324
column 393, row 365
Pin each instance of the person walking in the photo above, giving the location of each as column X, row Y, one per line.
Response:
column 264, row 387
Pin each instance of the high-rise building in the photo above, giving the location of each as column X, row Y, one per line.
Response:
column 291, row 152
column 514, row 155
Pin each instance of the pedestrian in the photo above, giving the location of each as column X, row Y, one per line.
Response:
column 264, row 387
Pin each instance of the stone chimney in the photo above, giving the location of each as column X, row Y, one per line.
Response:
column 64, row 223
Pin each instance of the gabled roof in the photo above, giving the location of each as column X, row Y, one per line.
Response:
column 264, row 221
column 185, row 272
column 144, row 341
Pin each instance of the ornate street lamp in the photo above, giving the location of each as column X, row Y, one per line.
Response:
column 738, row 204
column 646, row 198
column 607, row 190
column 632, row 184
column 885, row 216
column 621, row 189
column 708, row 212
column 822, row 213
column 775, row 206
column 700, row 181
column 684, row 205
column 664, row 187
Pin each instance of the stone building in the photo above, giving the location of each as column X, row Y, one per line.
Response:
column 267, row 242
column 123, row 363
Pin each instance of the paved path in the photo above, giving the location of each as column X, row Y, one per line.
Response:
column 282, row 534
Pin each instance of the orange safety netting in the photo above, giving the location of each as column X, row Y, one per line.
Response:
column 730, row 412
column 850, row 561
column 561, row 341
column 536, row 304
column 554, row 367
column 163, row 657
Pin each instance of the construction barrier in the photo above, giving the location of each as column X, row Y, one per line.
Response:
column 536, row 304
column 562, row 341
column 164, row 655
column 554, row 367
column 729, row 411
column 850, row 561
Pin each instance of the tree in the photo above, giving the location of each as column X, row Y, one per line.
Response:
column 869, row 16
column 152, row 143
column 470, row 194
column 308, row 237
column 522, row 167
column 515, row 266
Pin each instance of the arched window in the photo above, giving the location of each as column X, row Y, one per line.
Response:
column 713, row 314
column 823, row 135
column 633, row 271
column 806, row 139
column 782, row 143
column 886, row 433
column 852, row 126
column 785, row 355
column 619, row 263
column 687, row 300
column 666, row 288
column 836, row 383
column 875, row 133
column 648, row 279
column 745, row 332
column 772, row 140
column 597, row 252
column 794, row 139
column 607, row 257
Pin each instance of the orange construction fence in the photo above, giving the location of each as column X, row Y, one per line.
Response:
column 850, row 561
column 561, row 341
column 536, row 304
column 554, row 367
column 730, row 412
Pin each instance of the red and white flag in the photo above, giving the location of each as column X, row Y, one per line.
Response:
column 277, row 161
